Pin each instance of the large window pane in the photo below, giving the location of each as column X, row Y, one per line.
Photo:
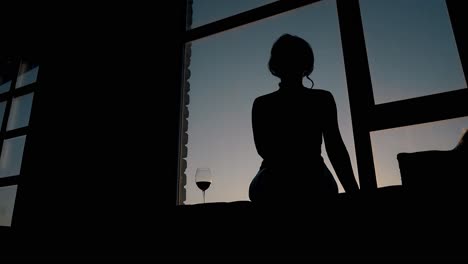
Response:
column 8, row 71
column 207, row 11
column 4, row 85
column 7, row 203
column 27, row 74
column 228, row 71
column 12, row 156
column 20, row 112
column 386, row 144
column 411, row 49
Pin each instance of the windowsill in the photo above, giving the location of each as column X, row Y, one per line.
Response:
column 388, row 193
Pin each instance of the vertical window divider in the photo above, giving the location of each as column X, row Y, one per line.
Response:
column 457, row 14
column 361, row 98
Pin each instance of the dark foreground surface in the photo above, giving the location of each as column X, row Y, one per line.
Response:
column 387, row 224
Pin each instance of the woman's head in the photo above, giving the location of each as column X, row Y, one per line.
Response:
column 291, row 57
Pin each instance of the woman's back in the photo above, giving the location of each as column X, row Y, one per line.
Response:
column 288, row 125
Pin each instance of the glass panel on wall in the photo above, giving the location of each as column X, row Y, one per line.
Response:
column 207, row 11
column 8, row 71
column 12, row 156
column 5, row 84
column 20, row 111
column 386, row 144
column 411, row 49
column 228, row 71
column 27, row 73
column 7, row 203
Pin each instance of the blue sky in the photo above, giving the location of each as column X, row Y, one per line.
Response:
column 411, row 53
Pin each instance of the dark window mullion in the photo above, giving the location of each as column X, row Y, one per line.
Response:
column 24, row 90
column 458, row 19
column 8, row 181
column 22, row 131
column 244, row 18
column 5, row 96
column 361, row 98
column 18, row 92
column 182, row 93
column 419, row 110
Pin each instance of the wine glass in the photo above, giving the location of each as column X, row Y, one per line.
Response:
column 203, row 179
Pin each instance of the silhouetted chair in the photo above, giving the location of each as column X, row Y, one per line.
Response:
column 437, row 174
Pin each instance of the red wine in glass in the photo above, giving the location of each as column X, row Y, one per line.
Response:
column 203, row 180
column 203, row 185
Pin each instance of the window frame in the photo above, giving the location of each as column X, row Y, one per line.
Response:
column 366, row 116
column 12, row 71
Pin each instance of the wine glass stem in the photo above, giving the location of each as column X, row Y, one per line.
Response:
column 204, row 197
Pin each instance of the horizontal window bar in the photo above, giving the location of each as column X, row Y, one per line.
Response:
column 245, row 18
column 15, row 133
column 419, row 110
column 18, row 92
column 7, row 181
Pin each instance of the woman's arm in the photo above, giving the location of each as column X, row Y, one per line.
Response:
column 336, row 148
column 258, row 127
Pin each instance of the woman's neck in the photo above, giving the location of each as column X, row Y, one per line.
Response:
column 291, row 84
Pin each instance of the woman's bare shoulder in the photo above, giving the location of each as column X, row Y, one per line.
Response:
column 320, row 92
column 266, row 97
column 321, row 95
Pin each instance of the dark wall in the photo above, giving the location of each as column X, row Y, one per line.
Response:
column 101, row 159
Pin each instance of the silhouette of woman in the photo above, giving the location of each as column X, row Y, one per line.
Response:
column 288, row 126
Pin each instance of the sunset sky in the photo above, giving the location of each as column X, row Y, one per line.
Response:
column 411, row 52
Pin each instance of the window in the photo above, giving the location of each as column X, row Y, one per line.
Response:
column 399, row 60
column 386, row 144
column 20, row 112
column 11, row 157
column 411, row 49
column 17, row 86
column 228, row 71
column 5, row 84
column 203, row 9
column 7, row 202
column 27, row 73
